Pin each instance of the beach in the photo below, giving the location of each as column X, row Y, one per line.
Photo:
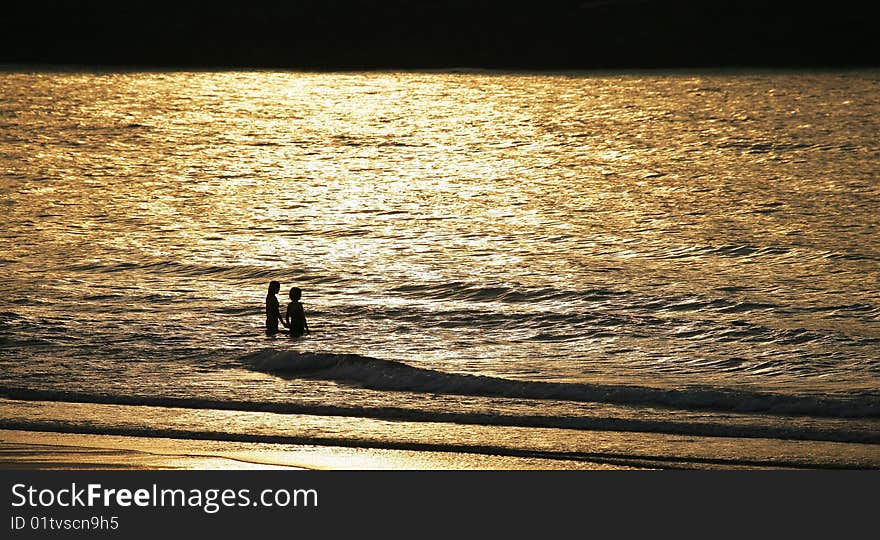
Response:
column 67, row 451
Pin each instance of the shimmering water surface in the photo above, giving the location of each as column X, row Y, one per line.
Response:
column 673, row 253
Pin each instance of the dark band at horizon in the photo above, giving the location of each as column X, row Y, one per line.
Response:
column 400, row 34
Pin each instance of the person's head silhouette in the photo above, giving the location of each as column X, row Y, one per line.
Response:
column 295, row 294
column 274, row 287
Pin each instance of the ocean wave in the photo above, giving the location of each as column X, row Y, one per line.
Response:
column 618, row 458
column 731, row 427
column 640, row 308
column 239, row 272
column 460, row 290
column 389, row 375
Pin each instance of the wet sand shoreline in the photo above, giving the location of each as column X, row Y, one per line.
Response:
column 73, row 451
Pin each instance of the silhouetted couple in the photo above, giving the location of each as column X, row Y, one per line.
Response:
column 296, row 316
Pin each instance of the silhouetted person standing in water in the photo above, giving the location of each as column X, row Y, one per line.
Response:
column 273, row 315
column 296, row 316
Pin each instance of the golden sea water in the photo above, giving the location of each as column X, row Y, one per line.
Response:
column 664, row 254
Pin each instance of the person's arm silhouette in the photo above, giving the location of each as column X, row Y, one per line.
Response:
column 306, row 322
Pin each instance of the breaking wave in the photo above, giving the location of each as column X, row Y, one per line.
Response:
column 389, row 375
